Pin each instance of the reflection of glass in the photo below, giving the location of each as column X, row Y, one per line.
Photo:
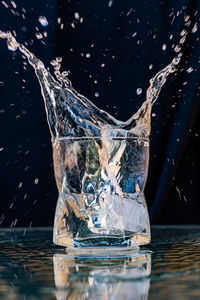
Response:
column 102, row 278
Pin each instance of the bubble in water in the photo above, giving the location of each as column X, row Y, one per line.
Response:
column 87, row 55
column 139, row 91
column 164, row 47
column 150, row 67
column 43, row 21
column 96, row 94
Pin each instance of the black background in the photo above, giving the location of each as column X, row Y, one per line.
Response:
column 107, row 32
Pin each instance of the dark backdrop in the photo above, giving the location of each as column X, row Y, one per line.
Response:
column 123, row 39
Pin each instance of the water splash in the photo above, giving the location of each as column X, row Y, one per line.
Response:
column 73, row 115
column 100, row 162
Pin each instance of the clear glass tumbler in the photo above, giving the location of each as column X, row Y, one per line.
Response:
column 101, row 192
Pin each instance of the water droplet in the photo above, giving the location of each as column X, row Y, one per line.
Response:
column 5, row 4
column 139, row 91
column 76, row 15
column 182, row 40
column 195, row 28
column 20, row 185
column 177, row 48
column 129, row 12
column 87, row 55
column 53, row 62
column 1, row 149
column 110, row 3
column 96, row 94
column 150, row 67
column 164, row 47
column 43, row 21
column 59, row 59
column 189, row 70
column 102, row 65
column 36, row 180
column 183, row 32
column 65, row 73
column 176, row 60
column 172, row 69
column 13, row 4
column 186, row 18
column 153, row 114
column 38, row 35
column 73, row 25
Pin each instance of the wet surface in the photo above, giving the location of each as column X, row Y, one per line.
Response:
column 31, row 267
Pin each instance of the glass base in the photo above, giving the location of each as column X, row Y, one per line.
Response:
column 106, row 242
column 123, row 225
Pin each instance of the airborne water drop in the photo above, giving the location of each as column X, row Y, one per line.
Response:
column 43, row 21
column 139, row 91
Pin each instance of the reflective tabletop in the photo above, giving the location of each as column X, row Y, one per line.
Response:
column 31, row 267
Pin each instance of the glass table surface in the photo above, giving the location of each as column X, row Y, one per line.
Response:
column 31, row 267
